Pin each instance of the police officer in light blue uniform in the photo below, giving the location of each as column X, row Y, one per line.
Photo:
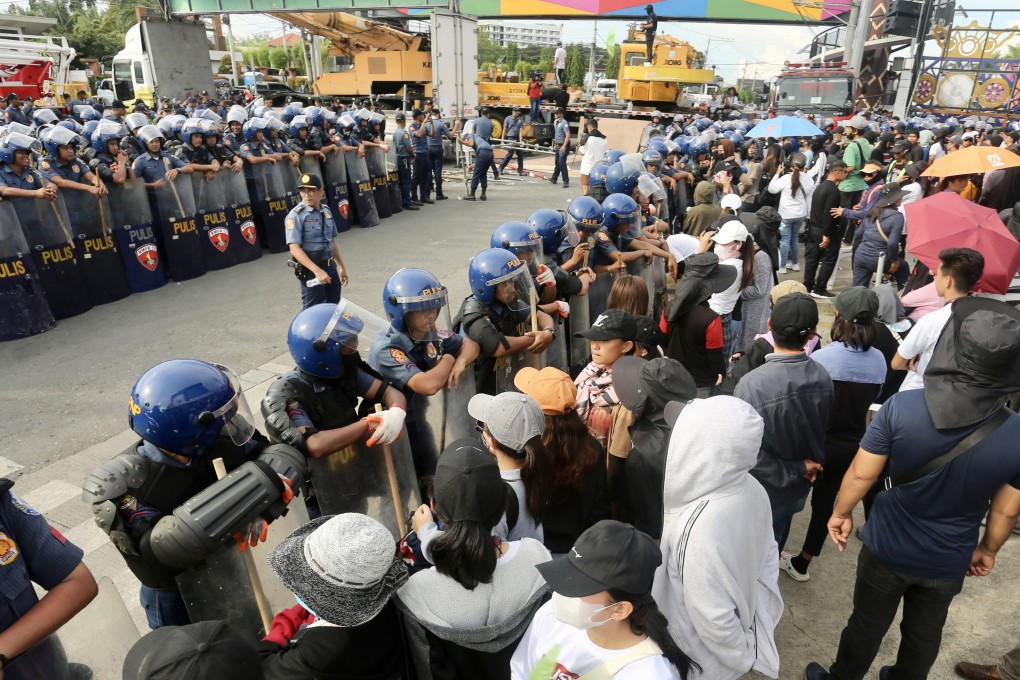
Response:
column 421, row 180
column 405, row 161
column 436, row 131
column 561, row 145
column 483, row 161
column 311, row 236
column 31, row 551
column 512, row 127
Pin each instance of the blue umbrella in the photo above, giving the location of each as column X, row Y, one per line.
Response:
column 785, row 126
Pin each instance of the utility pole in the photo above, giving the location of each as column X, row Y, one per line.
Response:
column 591, row 57
column 851, row 30
column 230, row 46
column 861, row 31
column 286, row 48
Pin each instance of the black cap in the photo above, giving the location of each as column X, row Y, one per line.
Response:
column 901, row 146
column 416, row 113
column 857, row 304
column 794, row 314
column 611, row 324
column 706, row 266
column 209, row 650
column 310, row 180
column 649, row 335
column 610, row 555
column 634, row 379
column 889, row 194
column 117, row 104
column 467, row 485
column 400, row 116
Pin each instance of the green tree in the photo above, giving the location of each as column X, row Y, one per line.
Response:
column 262, row 56
column 577, row 65
column 93, row 33
column 511, row 53
column 522, row 68
column 613, row 64
column 278, row 57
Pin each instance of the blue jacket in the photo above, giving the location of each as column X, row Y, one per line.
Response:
column 872, row 243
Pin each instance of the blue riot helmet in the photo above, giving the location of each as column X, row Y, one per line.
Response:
column 498, row 276
column 331, row 117
column 191, row 126
column 653, row 158
column 211, row 129
column 165, row 126
column 597, row 175
column 147, row 133
column 14, row 142
column 584, row 218
column 85, row 113
column 347, row 121
column 292, row 110
column 319, row 335
column 258, row 111
column 252, row 127
column 551, row 225
column 183, row 405
column 43, row 116
column 89, row 128
column 415, row 303
column 521, row 240
column 623, row 215
column 659, row 144
column 58, row 137
column 614, row 155
column 619, row 180
column 314, row 116
column 70, row 125
column 106, row 132
column 297, row 124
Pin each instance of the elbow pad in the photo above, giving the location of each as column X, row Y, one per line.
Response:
column 287, row 462
column 211, row 517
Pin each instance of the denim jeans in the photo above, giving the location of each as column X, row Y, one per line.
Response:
column 782, row 518
column 877, row 595
column 561, row 166
column 788, row 244
column 535, row 112
column 163, row 608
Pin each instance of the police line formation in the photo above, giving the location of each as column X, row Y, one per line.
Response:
column 387, row 432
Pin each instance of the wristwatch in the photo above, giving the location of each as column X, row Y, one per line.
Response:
column 552, row 332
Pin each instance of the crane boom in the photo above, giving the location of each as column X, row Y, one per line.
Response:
column 348, row 33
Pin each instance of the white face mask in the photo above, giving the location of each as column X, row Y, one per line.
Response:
column 727, row 251
column 577, row 613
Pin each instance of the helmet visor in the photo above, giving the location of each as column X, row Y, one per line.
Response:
column 529, row 250
column 426, row 316
column 237, row 418
column 650, row 189
column 633, row 163
column 352, row 327
column 514, row 290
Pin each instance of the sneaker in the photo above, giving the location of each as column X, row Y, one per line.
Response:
column 410, row 206
column 782, row 270
column 552, row 181
column 822, row 294
column 441, row 197
column 814, row 671
column 795, row 267
column 784, row 564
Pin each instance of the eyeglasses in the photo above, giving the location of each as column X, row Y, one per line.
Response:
column 479, row 426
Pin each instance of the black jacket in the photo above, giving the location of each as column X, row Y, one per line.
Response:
column 565, row 521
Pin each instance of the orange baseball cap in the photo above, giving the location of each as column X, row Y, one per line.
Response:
column 553, row 389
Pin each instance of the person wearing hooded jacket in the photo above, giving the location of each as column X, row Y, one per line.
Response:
column 704, row 212
column 644, row 388
column 718, row 582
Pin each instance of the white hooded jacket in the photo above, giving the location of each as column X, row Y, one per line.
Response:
column 723, row 603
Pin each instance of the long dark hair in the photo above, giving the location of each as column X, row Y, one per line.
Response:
column 646, row 619
column 860, row 336
column 534, row 474
column 465, row 552
column 747, row 260
column 773, row 159
column 572, row 452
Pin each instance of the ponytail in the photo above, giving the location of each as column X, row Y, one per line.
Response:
column 646, row 619
column 464, row 551
column 795, row 181
column 747, row 261
column 533, row 474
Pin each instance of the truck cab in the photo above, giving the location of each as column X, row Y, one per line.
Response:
column 131, row 73
column 828, row 90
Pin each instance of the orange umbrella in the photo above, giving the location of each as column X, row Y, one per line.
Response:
column 972, row 160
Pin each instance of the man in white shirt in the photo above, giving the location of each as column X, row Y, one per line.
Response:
column 959, row 271
column 560, row 63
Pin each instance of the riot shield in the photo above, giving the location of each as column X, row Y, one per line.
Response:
column 598, row 293
column 271, row 205
column 23, row 305
column 396, row 202
column 335, row 178
column 375, row 160
column 448, row 414
column 244, row 236
column 278, row 596
column 360, row 184
column 175, row 203
column 135, row 236
column 46, row 661
column 91, row 224
column 578, row 322
column 290, row 177
column 556, row 353
column 101, row 634
column 658, row 287
column 378, row 481
column 507, row 367
column 212, row 220
column 643, row 270
column 218, row 589
column 311, row 164
column 48, row 233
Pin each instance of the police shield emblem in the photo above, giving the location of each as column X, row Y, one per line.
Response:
column 248, row 231
column 148, row 255
column 220, row 238
column 345, row 209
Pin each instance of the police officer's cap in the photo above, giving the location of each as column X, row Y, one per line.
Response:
column 400, row 116
column 117, row 104
column 310, row 181
column 416, row 113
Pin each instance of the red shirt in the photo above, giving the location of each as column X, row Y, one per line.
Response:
column 535, row 90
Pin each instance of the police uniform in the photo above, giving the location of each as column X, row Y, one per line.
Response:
column 28, row 179
column 421, row 179
column 246, row 151
column 489, row 325
column 104, row 165
column 483, row 160
column 436, row 153
column 154, row 168
column 31, row 551
column 232, row 141
column 561, row 128
column 17, row 115
column 512, row 127
column 402, row 148
column 132, row 146
column 314, row 230
column 74, row 171
column 398, row 358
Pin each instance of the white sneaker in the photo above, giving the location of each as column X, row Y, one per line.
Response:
column 784, row 564
column 795, row 267
column 782, row 270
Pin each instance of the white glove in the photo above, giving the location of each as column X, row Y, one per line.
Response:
column 545, row 276
column 562, row 308
column 387, row 426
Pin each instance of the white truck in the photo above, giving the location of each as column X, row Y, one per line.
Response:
column 162, row 60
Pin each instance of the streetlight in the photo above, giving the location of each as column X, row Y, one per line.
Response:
column 709, row 45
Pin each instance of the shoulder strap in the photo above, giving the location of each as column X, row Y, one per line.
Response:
column 962, row 447
column 878, row 225
column 607, row 669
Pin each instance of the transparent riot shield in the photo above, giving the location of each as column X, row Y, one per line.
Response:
column 579, row 321
column 378, row 481
column 290, row 177
column 105, row 620
column 334, row 176
column 48, row 233
column 448, row 414
column 598, row 293
column 310, row 165
column 643, row 270
column 396, row 202
column 507, row 367
column 658, row 289
column 556, row 353
column 92, row 225
column 244, row 235
column 175, row 203
column 213, row 220
column 135, row 236
column 360, row 184
column 46, row 661
column 218, row 589
column 375, row 160
column 23, row 305
column 271, row 205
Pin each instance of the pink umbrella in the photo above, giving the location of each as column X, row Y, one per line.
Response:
column 946, row 220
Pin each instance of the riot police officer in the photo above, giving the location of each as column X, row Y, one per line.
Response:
column 194, row 151
column 435, row 132
column 225, row 155
column 110, row 163
column 418, row 353
column 405, row 161
column 17, row 178
column 496, row 314
column 421, row 178
column 160, row 501
column 314, row 408
column 483, row 161
column 156, row 167
column 512, row 127
column 311, row 236
column 32, row 551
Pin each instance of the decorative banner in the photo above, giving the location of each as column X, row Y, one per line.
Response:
column 738, row 10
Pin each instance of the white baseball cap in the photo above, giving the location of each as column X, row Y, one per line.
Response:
column 731, row 201
column 732, row 231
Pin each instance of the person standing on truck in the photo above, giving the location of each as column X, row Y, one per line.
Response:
column 560, row 63
column 535, row 95
column 650, row 27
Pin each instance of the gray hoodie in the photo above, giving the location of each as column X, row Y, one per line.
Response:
column 723, row 606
